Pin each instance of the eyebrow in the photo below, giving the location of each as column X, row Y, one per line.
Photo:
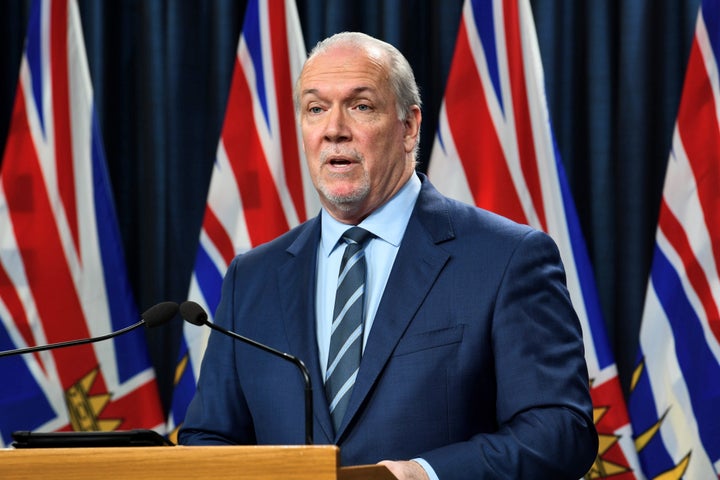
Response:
column 354, row 91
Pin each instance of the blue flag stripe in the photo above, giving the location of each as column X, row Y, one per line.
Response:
column 697, row 362
column 252, row 35
column 34, row 58
column 654, row 457
column 711, row 16
column 485, row 24
column 209, row 279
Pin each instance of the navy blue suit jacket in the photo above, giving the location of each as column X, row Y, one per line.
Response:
column 474, row 362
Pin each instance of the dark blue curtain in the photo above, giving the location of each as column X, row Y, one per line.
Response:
column 161, row 72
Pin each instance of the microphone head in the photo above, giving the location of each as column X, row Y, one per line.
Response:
column 160, row 313
column 193, row 313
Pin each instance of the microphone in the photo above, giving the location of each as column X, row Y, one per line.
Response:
column 195, row 314
column 152, row 317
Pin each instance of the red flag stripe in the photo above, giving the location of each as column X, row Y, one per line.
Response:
column 485, row 159
column 285, row 108
column 16, row 149
column 677, row 236
column 61, row 113
column 42, row 252
column 262, row 207
column 523, row 125
column 698, row 127
column 218, row 235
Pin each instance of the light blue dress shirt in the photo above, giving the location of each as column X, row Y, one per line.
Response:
column 387, row 224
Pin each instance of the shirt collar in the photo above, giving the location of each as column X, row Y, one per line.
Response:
column 387, row 222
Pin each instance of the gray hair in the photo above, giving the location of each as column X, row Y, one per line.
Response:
column 401, row 76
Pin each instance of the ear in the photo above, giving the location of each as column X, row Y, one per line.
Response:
column 412, row 128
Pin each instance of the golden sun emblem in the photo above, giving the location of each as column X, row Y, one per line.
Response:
column 602, row 467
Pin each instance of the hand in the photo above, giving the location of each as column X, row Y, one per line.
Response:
column 406, row 470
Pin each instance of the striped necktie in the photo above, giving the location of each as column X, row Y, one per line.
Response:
column 347, row 326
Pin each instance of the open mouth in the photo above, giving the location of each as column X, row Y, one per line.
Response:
column 339, row 162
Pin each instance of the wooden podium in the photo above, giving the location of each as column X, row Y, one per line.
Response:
column 314, row 462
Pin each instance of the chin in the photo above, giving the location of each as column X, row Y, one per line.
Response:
column 341, row 197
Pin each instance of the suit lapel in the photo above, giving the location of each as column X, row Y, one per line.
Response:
column 298, row 303
column 418, row 263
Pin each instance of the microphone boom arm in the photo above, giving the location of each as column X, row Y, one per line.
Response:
column 286, row 356
column 70, row 343
column 152, row 317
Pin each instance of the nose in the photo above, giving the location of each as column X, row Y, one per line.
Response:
column 336, row 128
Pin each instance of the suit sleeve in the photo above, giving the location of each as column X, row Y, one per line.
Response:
column 543, row 408
column 218, row 413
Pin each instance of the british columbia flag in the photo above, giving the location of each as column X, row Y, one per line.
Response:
column 675, row 392
column 494, row 148
column 259, row 187
column 62, row 271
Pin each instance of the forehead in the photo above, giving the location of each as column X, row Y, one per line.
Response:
column 345, row 67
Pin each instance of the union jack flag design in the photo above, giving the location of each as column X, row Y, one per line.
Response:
column 62, row 271
column 259, row 187
column 494, row 148
column 675, row 391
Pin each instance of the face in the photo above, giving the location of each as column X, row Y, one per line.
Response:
column 359, row 153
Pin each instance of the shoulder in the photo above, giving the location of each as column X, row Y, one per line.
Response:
column 449, row 219
column 291, row 243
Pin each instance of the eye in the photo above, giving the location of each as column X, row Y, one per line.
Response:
column 363, row 107
column 314, row 109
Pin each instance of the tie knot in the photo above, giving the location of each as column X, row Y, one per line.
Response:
column 356, row 235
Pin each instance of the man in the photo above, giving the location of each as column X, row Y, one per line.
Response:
column 472, row 362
